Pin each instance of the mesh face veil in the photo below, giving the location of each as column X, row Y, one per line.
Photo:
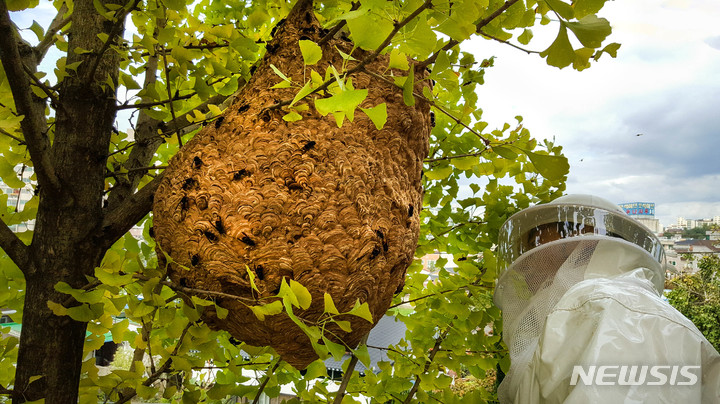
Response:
column 571, row 216
column 545, row 250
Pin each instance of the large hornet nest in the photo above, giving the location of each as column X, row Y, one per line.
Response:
column 335, row 209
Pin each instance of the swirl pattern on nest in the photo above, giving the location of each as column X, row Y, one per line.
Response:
column 335, row 209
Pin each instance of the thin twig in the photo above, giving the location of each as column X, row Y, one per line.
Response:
column 431, row 295
column 48, row 91
column 165, row 366
column 478, row 27
column 55, row 26
column 528, row 51
column 113, row 174
column 455, row 227
column 438, row 107
column 141, row 105
column 429, row 361
column 361, row 66
column 32, row 124
column 348, row 374
column 169, row 94
column 11, row 136
column 196, row 292
column 334, row 30
column 114, row 32
column 265, row 382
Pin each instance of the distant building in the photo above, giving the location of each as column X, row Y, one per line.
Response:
column 688, row 253
column 18, row 197
column 643, row 212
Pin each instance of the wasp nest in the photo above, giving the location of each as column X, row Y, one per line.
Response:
column 335, row 209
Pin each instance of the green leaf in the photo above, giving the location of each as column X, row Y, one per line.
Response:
column 565, row 10
column 505, row 152
column 585, row 7
column 439, row 173
column 82, row 313
column 344, row 325
column 292, row 116
column 281, row 74
column 221, row 312
column 610, row 49
column 363, row 355
column 336, row 350
column 315, row 370
column 560, row 53
column 18, row 5
column 550, row 167
column 57, row 308
column 591, row 31
column 9, row 176
column 398, row 60
column 38, row 30
column 330, row 305
column 344, row 102
column 362, row 311
column 311, row 52
column 369, row 30
column 525, row 37
column 303, row 295
column 409, row 87
column 251, row 278
column 304, row 91
column 344, row 55
column 377, row 114
column 465, row 163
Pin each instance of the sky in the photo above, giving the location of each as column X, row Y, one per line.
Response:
column 664, row 85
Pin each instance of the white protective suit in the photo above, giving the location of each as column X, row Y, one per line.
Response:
column 584, row 319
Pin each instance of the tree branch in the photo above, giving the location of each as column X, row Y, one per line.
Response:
column 361, row 66
column 128, row 212
column 528, row 51
column 438, row 107
column 114, row 31
column 165, row 366
column 265, row 382
column 429, row 360
column 478, row 28
column 13, row 247
column 141, row 105
column 47, row 90
column 131, row 170
column 338, row 26
column 11, row 136
column 196, row 292
column 32, row 124
column 348, row 374
column 55, row 26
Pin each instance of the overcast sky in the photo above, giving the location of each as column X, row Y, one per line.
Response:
column 664, row 85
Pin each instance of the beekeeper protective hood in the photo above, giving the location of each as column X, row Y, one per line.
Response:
column 545, row 250
column 569, row 217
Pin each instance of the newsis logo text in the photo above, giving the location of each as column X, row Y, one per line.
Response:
column 635, row 375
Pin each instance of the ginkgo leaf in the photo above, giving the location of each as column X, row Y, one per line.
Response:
column 311, row 52
column 560, row 53
column 591, row 31
column 377, row 114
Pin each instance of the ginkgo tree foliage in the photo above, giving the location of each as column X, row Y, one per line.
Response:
column 172, row 66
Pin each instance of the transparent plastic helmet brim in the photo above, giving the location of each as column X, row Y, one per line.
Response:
column 542, row 224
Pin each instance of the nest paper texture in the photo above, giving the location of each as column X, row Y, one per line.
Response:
column 335, row 209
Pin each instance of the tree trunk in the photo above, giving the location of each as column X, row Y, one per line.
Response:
column 68, row 240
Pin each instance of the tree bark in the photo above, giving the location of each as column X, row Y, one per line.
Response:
column 68, row 239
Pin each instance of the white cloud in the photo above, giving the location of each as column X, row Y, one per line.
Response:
column 663, row 85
